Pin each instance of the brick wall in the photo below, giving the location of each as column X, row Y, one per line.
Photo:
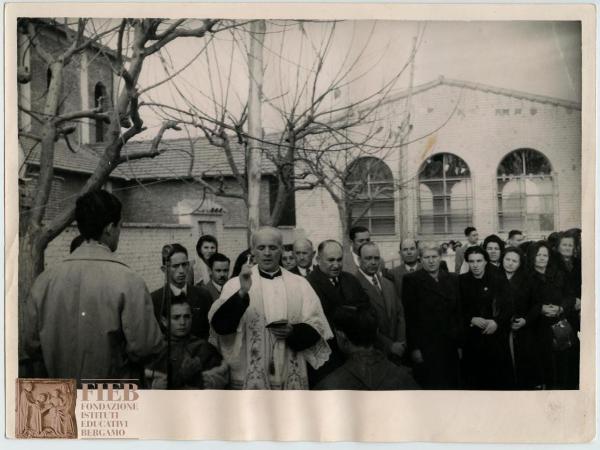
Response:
column 482, row 128
column 158, row 202
column 140, row 246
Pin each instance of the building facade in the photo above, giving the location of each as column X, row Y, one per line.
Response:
column 476, row 155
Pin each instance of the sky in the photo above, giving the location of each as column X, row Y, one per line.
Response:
column 541, row 58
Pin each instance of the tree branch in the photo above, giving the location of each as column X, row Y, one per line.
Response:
column 174, row 33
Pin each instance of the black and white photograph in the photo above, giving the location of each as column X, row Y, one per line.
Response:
column 301, row 204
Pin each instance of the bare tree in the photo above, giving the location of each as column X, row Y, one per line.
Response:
column 135, row 40
column 311, row 69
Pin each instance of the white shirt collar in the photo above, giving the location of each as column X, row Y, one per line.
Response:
column 369, row 277
column 177, row 291
column 303, row 270
column 356, row 259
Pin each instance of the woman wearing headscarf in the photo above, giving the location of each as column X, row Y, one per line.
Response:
column 487, row 309
column 522, row 343
column 549, row 293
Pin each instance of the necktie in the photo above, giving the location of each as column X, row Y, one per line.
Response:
column 376, row 283
column 335, row 282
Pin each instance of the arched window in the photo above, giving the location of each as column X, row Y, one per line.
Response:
column 369, row 193
column 445, row 195
column 525, row 192
column 101, row 100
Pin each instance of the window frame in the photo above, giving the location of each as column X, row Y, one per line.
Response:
column 521, row 179
column 445, row 197
column 368, row 217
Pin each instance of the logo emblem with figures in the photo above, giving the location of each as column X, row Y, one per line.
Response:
column 46, row 408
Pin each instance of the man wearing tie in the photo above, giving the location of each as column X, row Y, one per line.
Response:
column 334, row 288
column 388, row 309
column 410, row 263
column 176, row 267
column 305, row 253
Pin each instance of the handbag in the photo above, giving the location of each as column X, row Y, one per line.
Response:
column 563, row 335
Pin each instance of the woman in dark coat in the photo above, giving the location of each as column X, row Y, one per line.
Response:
column 549, row 293
column 487, row 309
column 522, row 341
column 570, row 264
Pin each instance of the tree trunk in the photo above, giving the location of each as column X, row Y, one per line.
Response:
column 31, row 264
column 255, row 61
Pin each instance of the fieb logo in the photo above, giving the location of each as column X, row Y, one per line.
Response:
column 124, row 392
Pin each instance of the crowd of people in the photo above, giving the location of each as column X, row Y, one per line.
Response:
column 500, row 315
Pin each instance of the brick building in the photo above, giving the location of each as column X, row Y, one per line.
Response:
column 163, row 201
column 477, row 155
column 494, row 158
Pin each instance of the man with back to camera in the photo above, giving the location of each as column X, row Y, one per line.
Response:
column 460, row 265
column 384, row 301
column 268, row 323
column 305, row 254
column 219, row 274
column 176, row 267
column 358, row 236
column 91, row 316
column 366, row 368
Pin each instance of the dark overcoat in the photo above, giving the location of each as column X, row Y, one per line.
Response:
column 433, row 326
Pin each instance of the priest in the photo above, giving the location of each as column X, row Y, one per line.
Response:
column 268, row 323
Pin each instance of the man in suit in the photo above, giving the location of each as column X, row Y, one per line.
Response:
column 358, row 236
column 219, row 274
column 431, row 300
column 176, row 267
column 382, row 295
column 334, row 288
column 460, row 265
column 410, row 263
column 304, row 253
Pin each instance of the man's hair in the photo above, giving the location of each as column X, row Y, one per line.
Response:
column 355, row 230
column 288, row 248
column 170, row 249
column 203, row 239
column 409, row 239
column 94, row 211
column 366, row 244
column 299, row 241
column 217, row 257
column 493, row 238
column 513, row 233
column 476, row 249
column 469, row 230
column 359, row 324
column 325, row 242
column 273, row 230
column 429, row 245
column 76, row 242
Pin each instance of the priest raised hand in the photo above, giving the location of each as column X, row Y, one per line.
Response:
column 268, row 323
